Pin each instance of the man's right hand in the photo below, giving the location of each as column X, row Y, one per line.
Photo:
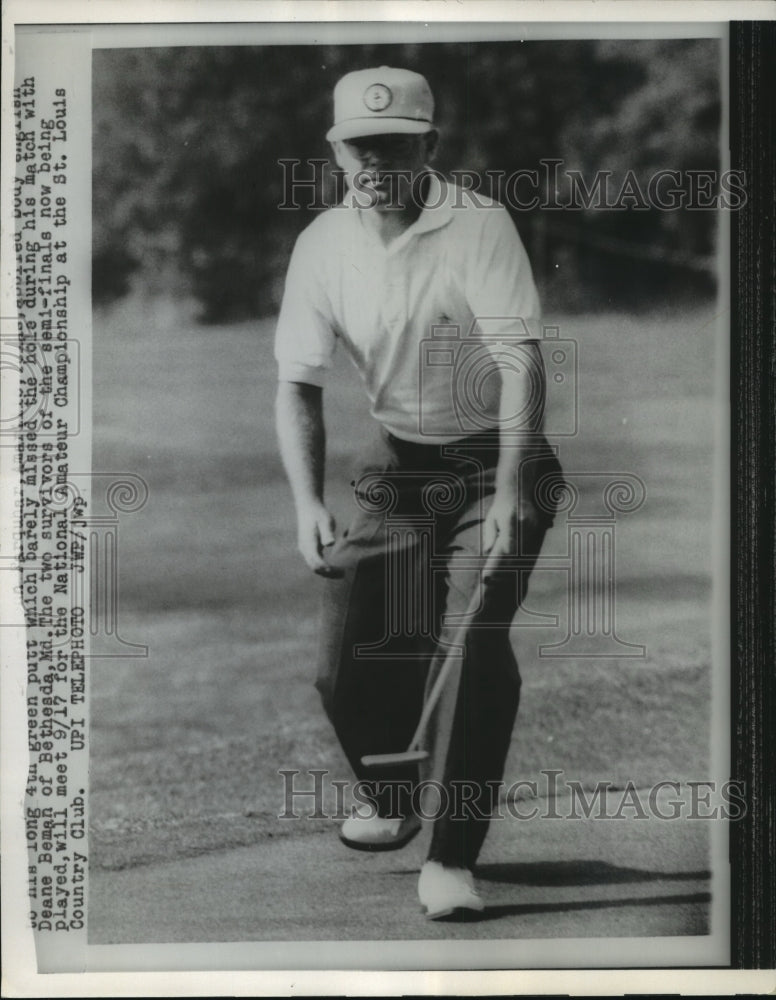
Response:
column 316, row 528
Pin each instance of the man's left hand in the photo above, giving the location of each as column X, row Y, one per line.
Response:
column 499, row 531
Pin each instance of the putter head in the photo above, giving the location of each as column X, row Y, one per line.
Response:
column 394, row 759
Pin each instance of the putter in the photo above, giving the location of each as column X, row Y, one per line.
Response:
column 413, row 754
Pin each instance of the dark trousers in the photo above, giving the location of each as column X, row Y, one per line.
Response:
column 412, row 558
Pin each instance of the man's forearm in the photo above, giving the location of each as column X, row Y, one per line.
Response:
column 302, row 438
column 522, row 392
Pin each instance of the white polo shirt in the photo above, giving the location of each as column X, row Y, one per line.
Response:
column 425, row 319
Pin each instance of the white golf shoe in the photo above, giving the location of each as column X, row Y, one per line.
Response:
column 366, row 831
column 444, row 891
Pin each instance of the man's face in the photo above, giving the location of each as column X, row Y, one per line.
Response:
column 383, row 167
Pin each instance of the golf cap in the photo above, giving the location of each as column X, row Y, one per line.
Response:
column 381, row 101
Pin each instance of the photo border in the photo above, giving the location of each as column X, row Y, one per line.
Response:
column 753, row 554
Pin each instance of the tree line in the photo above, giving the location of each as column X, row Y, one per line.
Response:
column 188, row 178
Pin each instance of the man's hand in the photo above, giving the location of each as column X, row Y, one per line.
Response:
column 500, row 528
column 302, row 439
column 316, row 529
column 499, row 531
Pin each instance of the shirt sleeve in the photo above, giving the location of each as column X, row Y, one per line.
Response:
column 305, row 338
column 500, row 287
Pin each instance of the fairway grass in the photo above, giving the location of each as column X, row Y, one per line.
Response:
column 186, row 744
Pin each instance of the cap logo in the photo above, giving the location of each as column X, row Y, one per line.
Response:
column 377, row 97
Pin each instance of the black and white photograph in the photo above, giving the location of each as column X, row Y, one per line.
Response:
column 514, row 244
column 397, row 514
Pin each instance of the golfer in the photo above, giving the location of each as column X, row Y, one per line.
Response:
column 429, row 291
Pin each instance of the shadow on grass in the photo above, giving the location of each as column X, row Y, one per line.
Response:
column 577, row 873
column 525, row 909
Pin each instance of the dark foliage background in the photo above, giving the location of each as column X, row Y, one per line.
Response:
column 187, row 142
